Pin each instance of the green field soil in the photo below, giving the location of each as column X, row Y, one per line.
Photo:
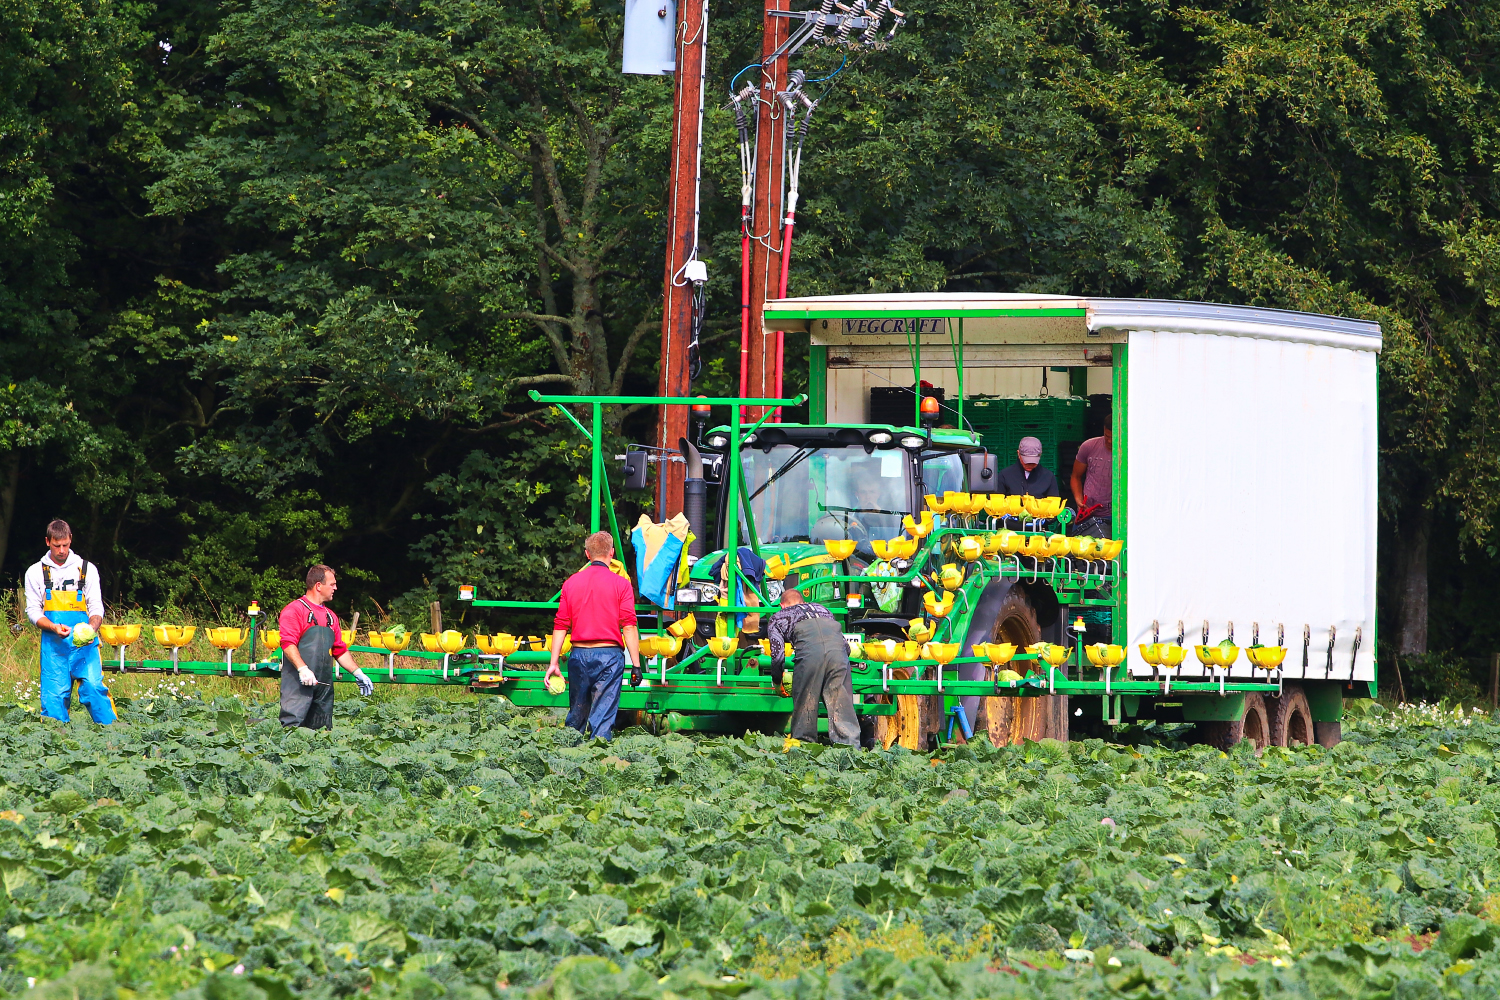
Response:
column 432, row 847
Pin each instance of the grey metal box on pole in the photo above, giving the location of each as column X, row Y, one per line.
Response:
column 650, row 30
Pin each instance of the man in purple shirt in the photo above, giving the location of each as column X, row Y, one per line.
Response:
column 1092, row 474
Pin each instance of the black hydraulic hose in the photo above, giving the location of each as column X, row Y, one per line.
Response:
column 694, row 497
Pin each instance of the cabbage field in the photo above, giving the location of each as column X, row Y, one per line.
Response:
column 433, row 848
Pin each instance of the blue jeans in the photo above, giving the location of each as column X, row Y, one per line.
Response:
column 594, row 678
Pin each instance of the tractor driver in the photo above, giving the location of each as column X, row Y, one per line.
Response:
column 62, row 593
column 822, row 671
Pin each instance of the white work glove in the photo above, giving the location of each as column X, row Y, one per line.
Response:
column 366, row 686
column 308, row 678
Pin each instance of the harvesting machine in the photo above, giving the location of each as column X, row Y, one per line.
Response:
column 1233, row 585
column 970, row 610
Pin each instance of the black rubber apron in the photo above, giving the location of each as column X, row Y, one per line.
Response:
column 310, row 707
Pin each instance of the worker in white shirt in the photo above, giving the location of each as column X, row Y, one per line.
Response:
column 62, row 592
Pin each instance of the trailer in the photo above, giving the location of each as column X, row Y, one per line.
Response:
column 973, row 610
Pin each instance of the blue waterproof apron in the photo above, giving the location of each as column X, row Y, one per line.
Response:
column 63, row 663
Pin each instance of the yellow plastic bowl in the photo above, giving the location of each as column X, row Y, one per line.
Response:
column 499, row 644
column 1042, row 507
column 998, row 653
column 841, row 548
column 270, row 640
column 1103, row 654
column 942, row 652
column 936, row 505
column 1082, row 546
column 1110, row 548
column 1151, row 653
column 951, row 577
column 937, row 607
column 970, row 548
column 777, row 567
column 683, row 627
column 919, row 630
column 722, row 646
column 957, row 503
column 1035, row 546
column 390, row 640
column 881, row 650
column 174, row 635
column 1049, row 652
column 227, row 637
column 918, row 528
column 1266, row 657
column 1171, row 655
column 120, row 635
column 765, row 647
column 908, row 651
column 668, row 645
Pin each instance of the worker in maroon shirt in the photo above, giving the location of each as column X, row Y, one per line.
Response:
column 311, row 640
column 598, row 607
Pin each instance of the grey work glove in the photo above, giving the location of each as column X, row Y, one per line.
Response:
column 366, row 686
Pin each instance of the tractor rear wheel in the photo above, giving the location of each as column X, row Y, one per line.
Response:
column 1291, row 719
column 1010, row 719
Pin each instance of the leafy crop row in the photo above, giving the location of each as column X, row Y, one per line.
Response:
column 429, row 847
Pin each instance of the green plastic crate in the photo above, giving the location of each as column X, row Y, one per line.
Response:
column 1001, row 422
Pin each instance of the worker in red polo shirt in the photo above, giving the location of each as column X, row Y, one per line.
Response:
column 598, row 607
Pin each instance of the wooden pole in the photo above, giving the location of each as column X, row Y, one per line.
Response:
column 765, row 225
column 683, row 207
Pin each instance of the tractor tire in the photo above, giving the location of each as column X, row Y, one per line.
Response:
column 1255, row 726
column 1011, row 719
column 1291, row 719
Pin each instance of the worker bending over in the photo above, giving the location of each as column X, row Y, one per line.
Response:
column 822, row 670
column 598, row 607
column 311, row 640
column 62, row 592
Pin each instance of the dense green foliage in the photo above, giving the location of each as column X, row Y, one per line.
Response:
column 274, row 277
column 426, row 846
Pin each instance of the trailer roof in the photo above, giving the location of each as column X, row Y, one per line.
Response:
column 1017, row 318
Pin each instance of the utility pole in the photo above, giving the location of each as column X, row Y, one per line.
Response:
column 765, row 249
column 682, row 243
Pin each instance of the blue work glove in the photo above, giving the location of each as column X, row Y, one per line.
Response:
column 366, row 686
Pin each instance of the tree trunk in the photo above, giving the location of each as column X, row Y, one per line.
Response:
column 1411, row 628
column 10, row 481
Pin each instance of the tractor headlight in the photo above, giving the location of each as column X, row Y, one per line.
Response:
column 911, row 442
column 689, row 595
column 879, row 437
column 709, row 591
column 718, row 440
column 774, row 589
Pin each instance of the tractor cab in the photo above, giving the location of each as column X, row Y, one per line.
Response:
column 811, row 493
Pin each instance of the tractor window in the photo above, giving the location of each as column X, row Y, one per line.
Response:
column 818, row 494
column 944, row 473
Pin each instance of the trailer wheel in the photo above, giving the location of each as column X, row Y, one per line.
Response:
column 1328, row 734
column 1291, row 720
column 1255, row 726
